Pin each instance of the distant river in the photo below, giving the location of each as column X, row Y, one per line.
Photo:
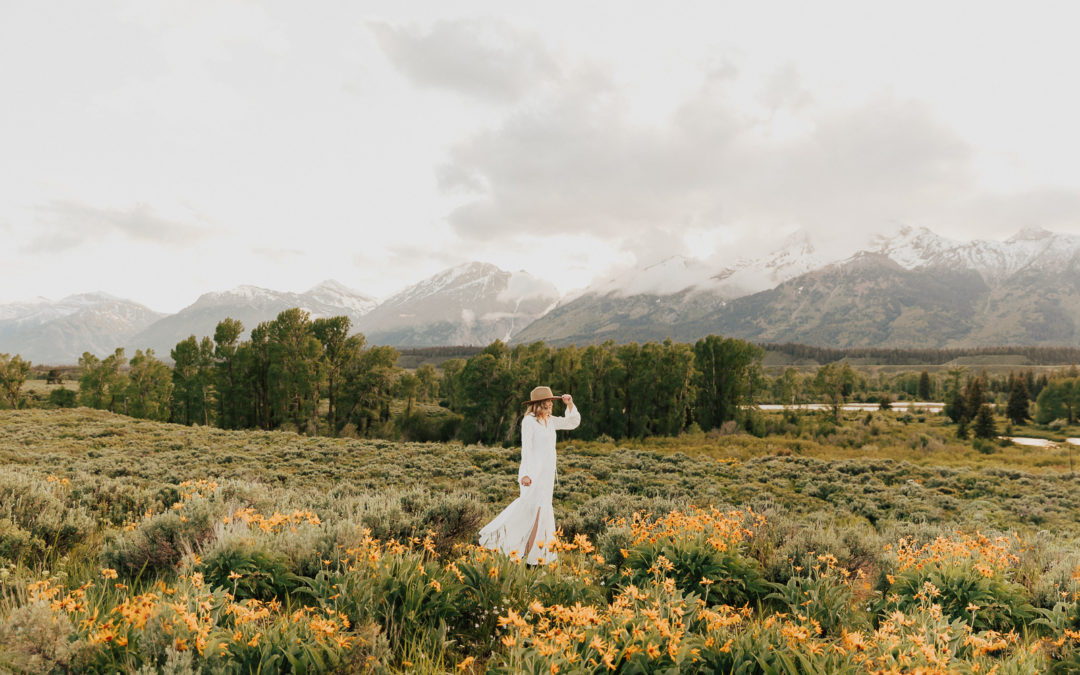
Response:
column 905, row 406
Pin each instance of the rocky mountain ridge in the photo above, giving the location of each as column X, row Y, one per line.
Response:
column 907, row 288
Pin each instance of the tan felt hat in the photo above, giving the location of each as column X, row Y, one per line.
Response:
column 540, row 394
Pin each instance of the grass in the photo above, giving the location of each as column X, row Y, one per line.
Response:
column 353, row 555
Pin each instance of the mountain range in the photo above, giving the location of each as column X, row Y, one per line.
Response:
column 906, row 288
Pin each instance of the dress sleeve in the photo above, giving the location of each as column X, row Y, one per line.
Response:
column 528, row 456
column 570, row 421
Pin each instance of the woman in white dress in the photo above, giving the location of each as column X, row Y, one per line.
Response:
column 526, row 526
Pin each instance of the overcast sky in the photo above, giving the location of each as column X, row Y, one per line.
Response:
column 159, row 150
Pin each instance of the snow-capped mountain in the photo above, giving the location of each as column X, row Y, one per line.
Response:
column 250, row 305
column 906, row 287
column 1032, row 248
column 58, row 332
column 795, row 256
column 471, row 304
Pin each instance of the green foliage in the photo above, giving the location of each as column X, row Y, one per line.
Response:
column 1017, row 408
column 149, row 393
column 16, row 544
column 1059, row 399
column 158, row 543
column 193, row 386
column 102, row 384
column 822, row 595
column 985, row 427
column 835, row 384
column 924, row 386
column 63, row 398
column 264, row 574
column 986, row 601
column 738, row 580
column 13, row 373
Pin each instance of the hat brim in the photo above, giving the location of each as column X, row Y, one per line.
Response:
column 541, row 400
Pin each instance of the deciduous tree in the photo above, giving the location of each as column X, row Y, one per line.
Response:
column 150, row 386
column 13, row 373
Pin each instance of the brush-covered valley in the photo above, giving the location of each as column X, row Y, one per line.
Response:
column 881, row 543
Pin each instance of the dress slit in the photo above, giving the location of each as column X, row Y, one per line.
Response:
column 532, row 535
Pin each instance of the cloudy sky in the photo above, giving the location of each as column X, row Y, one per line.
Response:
column 159, row 150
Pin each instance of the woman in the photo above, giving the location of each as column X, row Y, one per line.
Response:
column 528, row 524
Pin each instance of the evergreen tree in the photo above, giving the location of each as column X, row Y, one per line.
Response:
column 962, row 429
column 924, row 386
column 954, row 407
column 984, row 426
column 1017, row 408
column 974, row 396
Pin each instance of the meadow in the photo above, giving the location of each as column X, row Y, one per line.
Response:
column 879, row 544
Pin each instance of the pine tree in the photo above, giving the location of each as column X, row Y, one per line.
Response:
column 954, row 408
column 1017, row 408
column 984, row 422
column 924, row 386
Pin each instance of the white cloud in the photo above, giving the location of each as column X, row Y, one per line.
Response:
column 486, row 58
column 63, row 225
column 578, row 163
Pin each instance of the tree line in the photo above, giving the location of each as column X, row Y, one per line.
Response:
column 314, row 377
column 895, row 356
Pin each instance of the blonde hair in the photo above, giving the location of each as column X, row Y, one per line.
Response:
column 534, row 408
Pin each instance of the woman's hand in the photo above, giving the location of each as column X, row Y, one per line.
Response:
column 568, row 400
column 526, row 481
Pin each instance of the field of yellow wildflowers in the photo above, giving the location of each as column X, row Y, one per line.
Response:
column 134, row 546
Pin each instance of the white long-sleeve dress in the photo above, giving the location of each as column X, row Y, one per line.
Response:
column 509, row 531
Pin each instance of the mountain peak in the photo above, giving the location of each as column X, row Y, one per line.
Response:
column 332, row 285
column 1030, row 233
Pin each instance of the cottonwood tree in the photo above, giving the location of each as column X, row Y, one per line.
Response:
column 228, row 374
column 429, row 382
column 1059, row 399
column 596, row 388
column 333, row 336
column 294, row 369
column 485, row 387
column 724, row 373
column 193, row 381
column 13, row 373
column 367, row 381
column 450, row 383
column 149, row 391
column 102, row 384
column 835, row 383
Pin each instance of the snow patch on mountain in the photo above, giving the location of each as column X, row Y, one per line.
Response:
column 1032, row 247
